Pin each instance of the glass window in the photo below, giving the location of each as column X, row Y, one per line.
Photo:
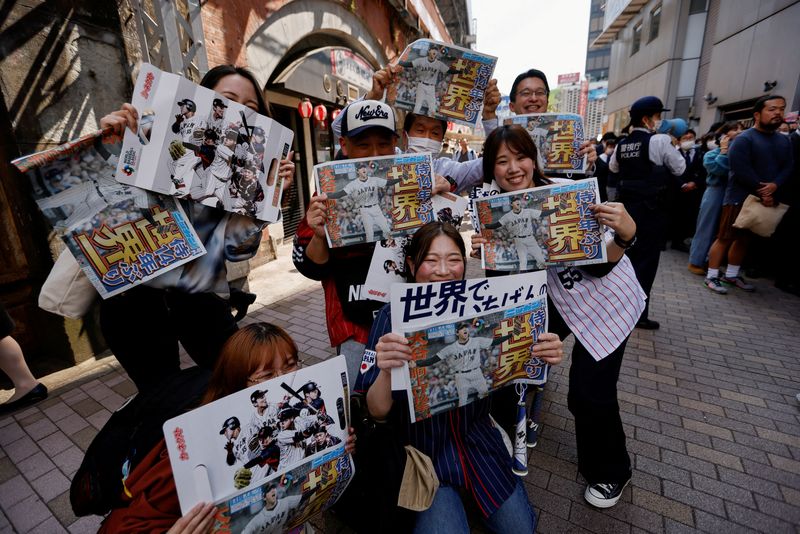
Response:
column 655, row 22
column 697, row 6
column 637, row 38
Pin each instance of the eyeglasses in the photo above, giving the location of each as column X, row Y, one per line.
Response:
column 527, row 93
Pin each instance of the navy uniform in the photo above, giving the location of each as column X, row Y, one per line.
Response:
column 645, row 162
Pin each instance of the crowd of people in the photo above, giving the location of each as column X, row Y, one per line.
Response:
column 658, row 183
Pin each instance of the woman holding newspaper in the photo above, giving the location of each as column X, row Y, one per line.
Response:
column 144, row 325
column 256, row 353
column 599, row 304
column 467, row 451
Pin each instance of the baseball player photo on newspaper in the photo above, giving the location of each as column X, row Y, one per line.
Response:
column 370, row 199
column 268, row 452
column 468, row 338
column 536, row 228
column 444, row 81
column 204, row 147
column 120, row 235
column 559, row 137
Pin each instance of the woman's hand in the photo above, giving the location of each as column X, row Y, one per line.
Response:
column 124, row 117
column 286, row 170
column 350, row 443
column 197, row 521
column 317, row 214
column 549, row 348
column 391, row 351
column 477, row 241
column 615, row 216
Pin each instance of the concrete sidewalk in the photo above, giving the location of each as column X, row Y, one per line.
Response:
column 708, row 403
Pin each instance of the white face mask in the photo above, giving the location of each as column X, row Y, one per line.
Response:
column 656, row 126
column 609, row 151
column 687, row 145
column 711, row 145
column 785, row 133
column 423, row 144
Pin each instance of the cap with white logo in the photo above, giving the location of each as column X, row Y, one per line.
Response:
column 362, row 115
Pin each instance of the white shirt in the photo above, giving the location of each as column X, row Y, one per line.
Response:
column 465, row 356
column 522, row 224
column 365, row 193
column 272, row 520
column 428, row 71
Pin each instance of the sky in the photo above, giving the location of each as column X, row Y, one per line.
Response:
column 549, row 35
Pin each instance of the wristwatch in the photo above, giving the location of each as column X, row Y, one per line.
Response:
column 621, row 243
column 452, row 182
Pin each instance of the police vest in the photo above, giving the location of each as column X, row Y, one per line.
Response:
column 638, row 176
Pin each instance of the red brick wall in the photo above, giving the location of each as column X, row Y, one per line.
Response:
column 229, row 25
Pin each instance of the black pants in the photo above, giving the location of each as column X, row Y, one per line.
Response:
column 144, row 325
column 592, row 400
column 651, row 228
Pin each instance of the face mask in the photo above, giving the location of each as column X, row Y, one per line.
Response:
column 687, row 145
column 657, row 126
column 784, row 133
column 609, row 151
column 711, row 145
column 423, row 144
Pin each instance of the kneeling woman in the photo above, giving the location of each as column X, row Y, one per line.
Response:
column 467, row 451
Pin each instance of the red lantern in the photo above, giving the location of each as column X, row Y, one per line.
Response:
column 335, row 113
column 450, row 126
column 305, row 108
column 320, row 113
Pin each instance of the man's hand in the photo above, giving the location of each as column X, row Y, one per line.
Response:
column 688, row 186
column 317, row 215
column 588, row 150
column 176, row 149
column 385, row 80
column 440, row 185
column 491, row 100
column 242, row 478
column 767, row 189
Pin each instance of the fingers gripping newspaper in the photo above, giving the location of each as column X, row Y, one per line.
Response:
column 270, row 456
column 444, row 81
column 202, row 146
column 120, row 235
column 468, row 338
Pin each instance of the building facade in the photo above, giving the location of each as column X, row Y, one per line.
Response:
column 708, row 60
column 598, row 60
column 64, row 67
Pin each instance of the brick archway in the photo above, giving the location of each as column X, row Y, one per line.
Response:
column 303, row 18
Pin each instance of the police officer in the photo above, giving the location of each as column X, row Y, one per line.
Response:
column 646, row 162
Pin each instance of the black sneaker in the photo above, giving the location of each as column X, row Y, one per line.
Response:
column 648, row 324
column 604, row 495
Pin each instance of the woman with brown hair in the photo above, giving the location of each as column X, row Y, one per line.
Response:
column 254, row 354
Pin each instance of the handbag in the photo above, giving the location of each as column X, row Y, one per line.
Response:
column 758, row 218
column 67, row 291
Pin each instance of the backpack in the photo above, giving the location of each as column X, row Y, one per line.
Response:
column 128, row 436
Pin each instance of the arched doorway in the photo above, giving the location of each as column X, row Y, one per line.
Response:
column 316, row 50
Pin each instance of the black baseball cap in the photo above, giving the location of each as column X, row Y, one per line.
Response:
column 288, row 413
column 218, row 102
column 257, row 394
column 309, row 387
column 231, row 423
column 647, row 105
column 188, row 103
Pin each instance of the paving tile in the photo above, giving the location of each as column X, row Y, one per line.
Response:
column 58, row 411
column 62, row 509
column 600, row 523
column 27, row 514
column 715, row 457
column 786, row 511
column 705, row 428
column 51, row 485
column 756, row 520
column 40, row 428
column 13, row 491
column 21, row 449
column 698, row 500
column 7, row 469
column 11, row 433
column 55, row 443
column 99, row 418
column 69, row 460
column 72, row 423
column 83, row 438
column 51, row 526
column 86, row 525
column 86, row 407
column 35, row 466
column 726, row 491
column 785, row 464
column 662, row 506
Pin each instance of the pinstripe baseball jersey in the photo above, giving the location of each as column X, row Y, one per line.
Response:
column 600, row 311
column 466, row 450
